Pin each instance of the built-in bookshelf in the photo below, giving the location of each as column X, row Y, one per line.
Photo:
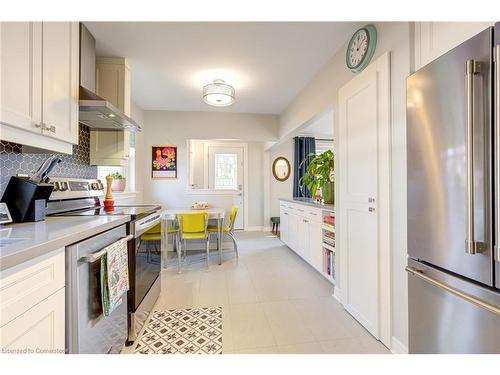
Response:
column 328, row 244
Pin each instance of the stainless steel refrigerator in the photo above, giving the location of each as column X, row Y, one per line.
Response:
column 453, row 161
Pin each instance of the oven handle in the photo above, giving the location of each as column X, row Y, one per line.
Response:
column 149, row 222
column 91, row 258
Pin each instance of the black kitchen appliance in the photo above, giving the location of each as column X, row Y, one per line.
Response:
column 26, row 199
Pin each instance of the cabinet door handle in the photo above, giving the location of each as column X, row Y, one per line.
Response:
column 41, row 125
column 371, row 209
column 51, row 129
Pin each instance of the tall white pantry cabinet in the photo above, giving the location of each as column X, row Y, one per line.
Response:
column 39, row 83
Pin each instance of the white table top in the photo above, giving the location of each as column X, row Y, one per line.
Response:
column 213, row 212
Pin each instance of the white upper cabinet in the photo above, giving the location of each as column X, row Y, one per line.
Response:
column 21, row 74
column 39, row 77
column 433, row 39
column 112, row 84
column 60, row 80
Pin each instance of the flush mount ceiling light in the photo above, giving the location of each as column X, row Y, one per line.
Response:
column 218, row 93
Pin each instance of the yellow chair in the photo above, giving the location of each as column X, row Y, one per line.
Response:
column 193, row 227
column 154, row 234
column 227, row 229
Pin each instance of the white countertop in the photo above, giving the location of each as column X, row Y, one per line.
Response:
column 309, row 202
column 44, row 236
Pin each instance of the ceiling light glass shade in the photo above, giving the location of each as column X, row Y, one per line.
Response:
column 218, row 93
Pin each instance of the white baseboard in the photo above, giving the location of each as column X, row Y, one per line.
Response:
column 397, row 346
column 254, row 228
column 337, row 294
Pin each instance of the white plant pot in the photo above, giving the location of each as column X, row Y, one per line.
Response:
column 118, row 185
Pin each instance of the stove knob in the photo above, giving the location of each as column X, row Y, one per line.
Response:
column 56, row 186
column 95, row 186
column 63, row 186
column 100, row 186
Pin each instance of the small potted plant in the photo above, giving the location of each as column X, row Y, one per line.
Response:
column 119, row 182
column 318, row 177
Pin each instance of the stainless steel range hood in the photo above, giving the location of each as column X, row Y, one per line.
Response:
column 96, row 112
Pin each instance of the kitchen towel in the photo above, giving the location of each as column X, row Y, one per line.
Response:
column 114, row 275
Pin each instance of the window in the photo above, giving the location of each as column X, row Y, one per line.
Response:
column 226, row 172
column 323, row 145
column 128, row 172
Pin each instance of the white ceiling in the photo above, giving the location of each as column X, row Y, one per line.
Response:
column 267, row 63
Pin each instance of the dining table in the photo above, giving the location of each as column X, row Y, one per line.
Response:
column 214, row 213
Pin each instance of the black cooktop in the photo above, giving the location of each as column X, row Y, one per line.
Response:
column 135, row 212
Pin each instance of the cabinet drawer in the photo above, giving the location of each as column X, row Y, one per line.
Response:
column 314, row 214
column 41, row 329
column 25, row 285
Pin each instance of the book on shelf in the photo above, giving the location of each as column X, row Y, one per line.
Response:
column 329, row 262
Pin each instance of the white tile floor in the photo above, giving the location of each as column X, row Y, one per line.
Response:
column 273, row 301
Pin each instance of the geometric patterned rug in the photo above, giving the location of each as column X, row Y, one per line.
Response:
column 184, row 331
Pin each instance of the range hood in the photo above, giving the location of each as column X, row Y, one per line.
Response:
column 96, row 112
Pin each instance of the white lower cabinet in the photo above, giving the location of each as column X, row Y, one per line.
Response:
column 300, row 229
column 316, row 244
column 32, row 305
column 38, row 330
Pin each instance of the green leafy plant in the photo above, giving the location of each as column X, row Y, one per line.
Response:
column 117, row 176
column 319, row 172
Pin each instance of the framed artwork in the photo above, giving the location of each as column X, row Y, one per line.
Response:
column 164, row 162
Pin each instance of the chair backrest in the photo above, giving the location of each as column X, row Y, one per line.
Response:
column 193, row 222
column 232, row 216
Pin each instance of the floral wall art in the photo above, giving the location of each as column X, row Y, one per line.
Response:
column 164, row 162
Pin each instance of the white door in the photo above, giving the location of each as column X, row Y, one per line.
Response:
column 363, row 180
column 225, row 172
column 60, row 80
column 284, row 225
column 315, row 245
column 21, row 74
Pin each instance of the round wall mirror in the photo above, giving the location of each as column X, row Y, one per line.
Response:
column 281, row 168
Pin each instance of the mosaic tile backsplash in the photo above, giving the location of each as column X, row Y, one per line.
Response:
column 13, row 161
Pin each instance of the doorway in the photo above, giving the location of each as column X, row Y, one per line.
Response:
column 226, row 172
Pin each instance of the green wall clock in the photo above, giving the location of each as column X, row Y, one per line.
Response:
column 361, row 48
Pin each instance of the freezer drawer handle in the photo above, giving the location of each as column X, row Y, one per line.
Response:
column 98, row 254
column 465, row 296
column 471, row 69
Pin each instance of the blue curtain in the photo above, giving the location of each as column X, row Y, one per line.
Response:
column 303, row 146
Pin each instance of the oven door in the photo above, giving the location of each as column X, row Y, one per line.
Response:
column 145, row 257
column 87, row 331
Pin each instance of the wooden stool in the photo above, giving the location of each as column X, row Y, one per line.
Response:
column 276, row 224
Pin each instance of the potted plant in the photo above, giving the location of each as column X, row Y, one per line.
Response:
column 119, row 182
column 318, row 177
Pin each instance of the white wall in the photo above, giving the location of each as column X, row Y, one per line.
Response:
column 280, row 189
column 175, row 128
column 321, row 93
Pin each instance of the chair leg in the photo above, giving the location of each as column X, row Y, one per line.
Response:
column 179, row 255
column 208, row 251
column 234, row 242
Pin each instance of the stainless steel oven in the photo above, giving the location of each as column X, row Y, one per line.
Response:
column 87, row 331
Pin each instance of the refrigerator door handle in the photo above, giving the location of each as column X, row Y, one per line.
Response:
column 496, row 127
column 471, row 69
column 493, row 309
